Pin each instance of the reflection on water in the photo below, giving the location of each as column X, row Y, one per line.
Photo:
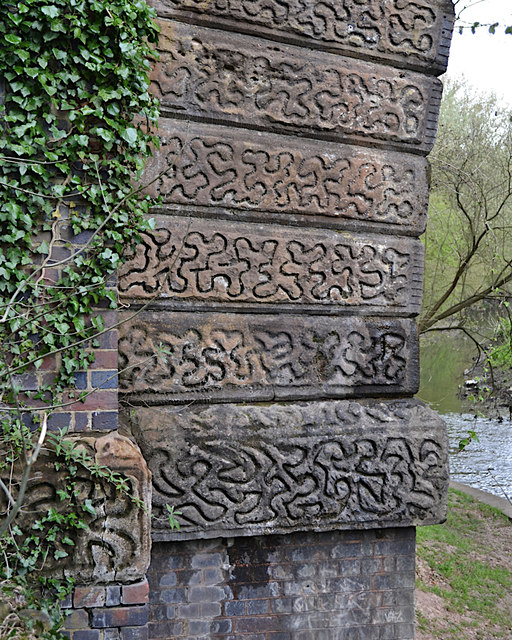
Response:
column 444, row 357
column 494, row 451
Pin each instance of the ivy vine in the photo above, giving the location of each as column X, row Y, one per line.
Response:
column 76, row 117
column 77, row 121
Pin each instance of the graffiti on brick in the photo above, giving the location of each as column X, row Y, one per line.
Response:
column 308, row 465
column 270, row 265
column 411, row 29
column 229, row 77
column 201, row 167
column 258, row 357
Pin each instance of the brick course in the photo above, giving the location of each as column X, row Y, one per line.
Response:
column 135, row 593
column 89, row 597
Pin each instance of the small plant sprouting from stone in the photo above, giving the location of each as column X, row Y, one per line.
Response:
column 171, row 515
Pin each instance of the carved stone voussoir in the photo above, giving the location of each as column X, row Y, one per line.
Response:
column 215, row 261
column 205, row 73
column 413, row 34
column 178, row 357
column 115, row 545
column 251, row 470
column 201, row 165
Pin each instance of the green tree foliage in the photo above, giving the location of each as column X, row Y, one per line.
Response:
column 468, row 240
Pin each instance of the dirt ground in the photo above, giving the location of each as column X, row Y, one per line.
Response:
column 490, row 542
column 443, row 624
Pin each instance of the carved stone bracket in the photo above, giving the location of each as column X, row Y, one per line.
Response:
column 115, row 545
column 249, row 470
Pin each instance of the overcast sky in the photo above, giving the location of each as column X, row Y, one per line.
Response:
column 485, row 59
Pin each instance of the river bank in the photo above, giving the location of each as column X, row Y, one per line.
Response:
column 464, row 574
column 488, row 390
column 447, row 359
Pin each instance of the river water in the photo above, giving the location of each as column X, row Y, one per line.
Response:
column 486, row 464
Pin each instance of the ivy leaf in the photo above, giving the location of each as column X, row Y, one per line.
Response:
column 13, row 209
column 79, row 323
column 43, row 248
column 88, row 507
column 130, row 135
column 10, row 37
column 59, row 189
column 105, row 134
column 62, row 327
column 59, row 54
column 50, row 11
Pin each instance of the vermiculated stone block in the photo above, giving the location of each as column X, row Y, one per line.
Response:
column 232, row 78
column 238, row 172
column 222, row 356
column 409, row 34
column 249, row 265
column 246, row 470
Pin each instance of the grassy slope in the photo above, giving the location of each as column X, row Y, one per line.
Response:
column 467, row 565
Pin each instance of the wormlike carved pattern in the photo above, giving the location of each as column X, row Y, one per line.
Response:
column 307, row 466
column 115, row 545
column 271, row 266
column 253, row 356
column 218, row 169
column 373, row 26
column 251, row 82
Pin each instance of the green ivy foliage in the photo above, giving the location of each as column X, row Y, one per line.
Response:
column 76, row 119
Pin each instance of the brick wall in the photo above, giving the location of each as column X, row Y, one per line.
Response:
column 99, row 409
column 302, row 586
column 108, row 612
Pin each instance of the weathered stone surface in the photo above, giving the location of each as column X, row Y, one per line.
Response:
column 204, row 73
column 115, row 546
column 241, row 172
column 179, row 357
column 215, row 261
column 247, row 470
column 411, row 34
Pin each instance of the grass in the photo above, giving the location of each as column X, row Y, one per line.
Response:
column 473, row 577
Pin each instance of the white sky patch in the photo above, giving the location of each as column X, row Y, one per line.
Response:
column 484, row 59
